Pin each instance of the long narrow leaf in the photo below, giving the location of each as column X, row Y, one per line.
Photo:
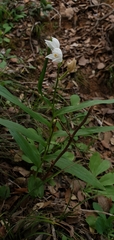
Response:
column 81, row 106
column 19, row 128
column 42, row 75
column 6, row 94
column 91, row 131
column 67, row 165
column 79, row 171
column 85, row 131
column 30, row 151
column 108, row 192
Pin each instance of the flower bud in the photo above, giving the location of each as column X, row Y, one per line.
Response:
column 71, row 66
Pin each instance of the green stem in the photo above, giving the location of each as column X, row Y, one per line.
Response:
column 55, row 91
column 53, row 123
column 68, row 144
column 63, row 76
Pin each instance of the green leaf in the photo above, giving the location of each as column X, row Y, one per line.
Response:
column 26, row 159
column 42, row 75
column 49, row 7
column 75, row 100
column 95, row 161
column 100, row 225
column 29, row 150
column 97, row 207
column 84, row 131
column 7, row 52
column 67, row 155
column 91, row 220
column 67, row 165
column 78, row 171
column 107, row 179
column 4, row 192
column 97, row 165
column 6, row 39
column 110, row 224
column 60, row 133
column 107, row 192
column 7, row 27
column 35, row 187
column 6, row 82
column 81, row 106
column 6, row 94
column 33, row 133
column 3, row 64
column 83, row 147
column 26, row 132
column 112, row 209
column 64, row 237
column 91, row 131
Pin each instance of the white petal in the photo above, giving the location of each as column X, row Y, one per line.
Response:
column 56, row 43
column 52, row 44
column 58, row 56
column 49, row 44
column 50, row 56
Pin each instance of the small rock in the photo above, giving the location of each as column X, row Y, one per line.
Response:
column 100, row 65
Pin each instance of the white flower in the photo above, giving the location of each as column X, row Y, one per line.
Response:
column 53, row 44
column 56, row 55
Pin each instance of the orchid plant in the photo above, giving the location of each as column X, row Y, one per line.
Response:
column 46, row 152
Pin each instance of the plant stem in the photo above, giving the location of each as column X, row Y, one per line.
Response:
column 63, row 76
column 68, row 144
column 53, row 123
column 53, row 113
column 55, row 91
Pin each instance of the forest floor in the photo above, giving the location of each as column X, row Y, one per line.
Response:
column 85, row 30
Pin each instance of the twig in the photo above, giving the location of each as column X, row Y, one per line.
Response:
column 31, row 40
column 35, row 83
column 97, row 211
column 68, row 144
column 53, row 232
column 98, row 5
column 57, row 13
column 102, row 18
column 2, row 205
column 107, row 15
column 36, row 23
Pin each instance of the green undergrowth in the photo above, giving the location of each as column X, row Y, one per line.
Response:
column 37, row 224
column 57, row 148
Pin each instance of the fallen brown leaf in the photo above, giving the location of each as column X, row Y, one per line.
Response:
column 22, row 171
column 83, row 61
column 76, row 185
column 41, row 205
column 68, row 195
column 105, row 203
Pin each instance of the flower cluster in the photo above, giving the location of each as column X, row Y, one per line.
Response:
column 56, row 55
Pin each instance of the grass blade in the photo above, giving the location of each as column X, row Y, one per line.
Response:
column 26, row 132
column 6, row 94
